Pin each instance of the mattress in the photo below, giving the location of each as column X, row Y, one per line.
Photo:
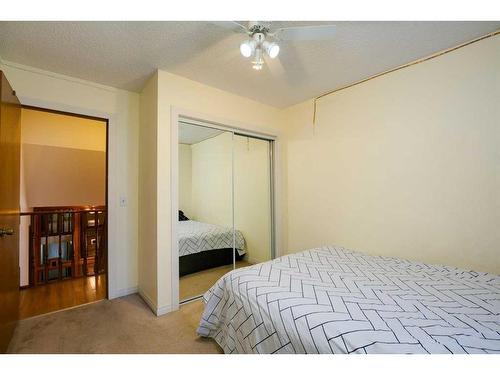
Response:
column 333, row 300
column 195, row 237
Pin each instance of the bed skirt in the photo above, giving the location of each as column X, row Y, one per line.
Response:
column 206, row 259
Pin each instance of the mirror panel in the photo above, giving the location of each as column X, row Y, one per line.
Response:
column 205, row 227
column 252, row 198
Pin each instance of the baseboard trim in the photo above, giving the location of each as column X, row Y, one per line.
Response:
column 148, row 300
column 162, row 310
column 122, row 292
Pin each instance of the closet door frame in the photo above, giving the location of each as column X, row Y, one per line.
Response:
column 181, row 115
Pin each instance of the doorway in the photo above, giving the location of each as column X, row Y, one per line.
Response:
column 225, row 197
column 63, row 256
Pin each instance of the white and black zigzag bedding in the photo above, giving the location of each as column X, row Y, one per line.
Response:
column 195, row 237
column 332, row 300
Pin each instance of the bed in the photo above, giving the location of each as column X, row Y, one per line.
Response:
column 203, row 246
column 333, row 300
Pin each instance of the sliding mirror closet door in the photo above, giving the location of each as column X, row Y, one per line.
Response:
column 205, row 227
column 253, row 199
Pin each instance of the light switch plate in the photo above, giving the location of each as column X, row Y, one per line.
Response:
column 123, row 201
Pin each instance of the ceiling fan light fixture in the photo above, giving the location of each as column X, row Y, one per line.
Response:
column 258, row 61
column 247, row 48
column 272, row 49
column 262, row 38
column 257, row 65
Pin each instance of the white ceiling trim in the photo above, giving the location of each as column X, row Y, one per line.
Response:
column 62, row 77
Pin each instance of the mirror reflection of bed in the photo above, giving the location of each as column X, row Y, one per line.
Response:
column 224, row 205
column 206, row 254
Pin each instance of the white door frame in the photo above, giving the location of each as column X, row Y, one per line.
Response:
column 223, row 124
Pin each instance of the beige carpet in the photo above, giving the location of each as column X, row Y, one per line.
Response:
column 123, row 325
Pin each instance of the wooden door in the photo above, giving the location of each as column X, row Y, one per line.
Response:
column 10, row 148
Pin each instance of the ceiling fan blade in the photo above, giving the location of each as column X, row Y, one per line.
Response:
column 231, row 25
column 305, row 32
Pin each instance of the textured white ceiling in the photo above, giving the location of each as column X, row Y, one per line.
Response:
column 125, row 54
column 190, row 134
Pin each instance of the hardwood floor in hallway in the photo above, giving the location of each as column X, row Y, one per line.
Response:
column 60, row 295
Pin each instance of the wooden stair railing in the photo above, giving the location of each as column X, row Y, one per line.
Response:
column 66, row 242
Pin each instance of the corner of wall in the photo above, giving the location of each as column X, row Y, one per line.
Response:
column 148, row 115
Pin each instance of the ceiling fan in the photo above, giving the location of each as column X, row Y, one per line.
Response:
column 262, row 39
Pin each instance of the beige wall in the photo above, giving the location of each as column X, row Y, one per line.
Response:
column 64, row 160
column 58, row 130
column 49, row 90
column 148, row 249
column 60, row 176
column 212, row 180
column 406, row 165
column 185, row 179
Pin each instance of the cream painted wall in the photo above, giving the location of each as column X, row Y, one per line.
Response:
column 148, row 249
column 185, row 179
column 53, row 129
column 212, row 180
column 179, row 94
column 49, row 90
column 60, row 176
column 63, row 159
column 405, row 165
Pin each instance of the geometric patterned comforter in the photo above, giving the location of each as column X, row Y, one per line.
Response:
column 195, row 237
column 332, row 300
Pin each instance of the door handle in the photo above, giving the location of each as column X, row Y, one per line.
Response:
column 6, row 232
